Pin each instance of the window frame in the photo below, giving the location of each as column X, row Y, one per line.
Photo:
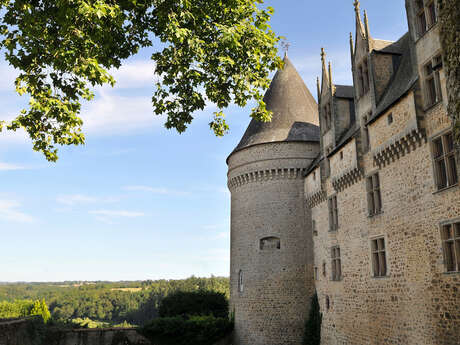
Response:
column 374, row 194
column 240, row 281
column 432, row 81
column 336, row 264
column 454, row 240
column 449, row 159
column 381, row 253
column 333, row 213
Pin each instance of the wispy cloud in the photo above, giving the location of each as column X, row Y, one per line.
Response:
column 118, row 213
column 154, row 190
column 10, row 166
column 8, row 74
column 135, row 74
column 9, row 212
column 74, row 199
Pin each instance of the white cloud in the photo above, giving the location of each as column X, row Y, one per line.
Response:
column 135, row 74
column 75, row 199
column 8, row 74
column 9, row 212
column 9, row 167
column 113, row 114
column 118, row 213
column 154, row 190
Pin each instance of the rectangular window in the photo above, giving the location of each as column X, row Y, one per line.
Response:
column 450, row 235
column 379, row 263
column 313, row 228
column 421, row 18
column 316, row 273
column 336, row 263
column 374, row 201
column 445, row 167
column 432, row 13
column 433, row 81
column 333, row 214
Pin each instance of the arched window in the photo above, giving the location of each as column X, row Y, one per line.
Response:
column 240, row 281
column 270, row 243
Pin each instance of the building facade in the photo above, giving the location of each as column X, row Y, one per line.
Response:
column 373, row 224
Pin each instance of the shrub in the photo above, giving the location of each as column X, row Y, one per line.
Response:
column 312, row 335
column 194, row 303
column 178, row 330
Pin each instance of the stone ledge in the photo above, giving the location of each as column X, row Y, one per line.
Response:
column 316, row 198
column 347, row 178
column 399, row 147
column 266, row 175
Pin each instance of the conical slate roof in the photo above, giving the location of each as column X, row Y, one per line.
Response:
column 295, row 112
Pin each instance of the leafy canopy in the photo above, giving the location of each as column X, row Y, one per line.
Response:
column 218, row 51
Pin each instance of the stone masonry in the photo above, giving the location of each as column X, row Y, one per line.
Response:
column 365, row 223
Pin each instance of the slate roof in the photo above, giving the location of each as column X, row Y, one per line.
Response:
column 403, row 79
column 344, row 91
column 295, row 112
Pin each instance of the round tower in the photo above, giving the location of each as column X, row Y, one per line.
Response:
column 271, row 273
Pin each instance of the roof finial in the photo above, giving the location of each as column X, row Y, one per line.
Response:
column 285, row 45
column 351, row 45
column 323, row 55
column 330, row 74
column 366, row 23
column 356, row 4
column 318, row 88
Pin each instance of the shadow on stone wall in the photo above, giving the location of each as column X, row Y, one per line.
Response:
column 29, row 332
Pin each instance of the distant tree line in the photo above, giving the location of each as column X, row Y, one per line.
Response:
column 24, row 308
column 133, row 303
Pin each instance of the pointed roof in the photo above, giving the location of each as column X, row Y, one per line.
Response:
column 295, row 112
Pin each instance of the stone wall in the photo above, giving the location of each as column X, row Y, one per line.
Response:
column 106, row 336
column 270, row 243
column 17, row 332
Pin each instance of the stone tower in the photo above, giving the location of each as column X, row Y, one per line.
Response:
column 271, row 237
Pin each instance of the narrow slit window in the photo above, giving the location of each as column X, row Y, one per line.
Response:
column 379, row 260
column 336, row 263
column 450, row 236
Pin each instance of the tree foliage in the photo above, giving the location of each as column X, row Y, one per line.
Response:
column 24, row 308
column 194, row 303
column 104, row 303
column 219, row 51
column 194, row 330
column 449, row 19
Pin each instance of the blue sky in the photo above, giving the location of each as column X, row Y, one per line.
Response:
column 139, row 201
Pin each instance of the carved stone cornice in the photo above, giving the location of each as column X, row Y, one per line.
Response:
column 399, row 147
column 316, row 198
column 266, row 175
column 347, row 178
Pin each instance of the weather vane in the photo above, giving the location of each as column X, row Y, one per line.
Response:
column 285, row 45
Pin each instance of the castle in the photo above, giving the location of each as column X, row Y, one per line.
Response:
column 355, row 197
